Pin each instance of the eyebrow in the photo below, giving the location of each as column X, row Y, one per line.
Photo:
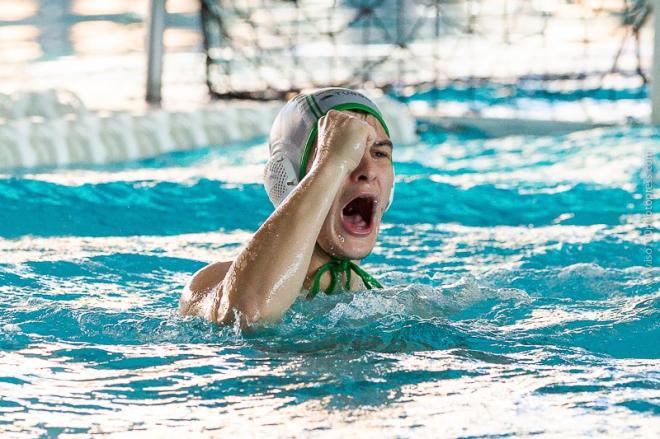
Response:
column 384, row 142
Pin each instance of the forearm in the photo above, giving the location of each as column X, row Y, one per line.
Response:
column 266, row 277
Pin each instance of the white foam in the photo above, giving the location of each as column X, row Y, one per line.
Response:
column 420, row 300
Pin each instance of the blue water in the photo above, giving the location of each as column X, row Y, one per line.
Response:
column 522, row 299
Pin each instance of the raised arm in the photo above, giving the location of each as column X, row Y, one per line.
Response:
column 267, row 276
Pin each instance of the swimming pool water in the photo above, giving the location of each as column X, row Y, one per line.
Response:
column 522, row 298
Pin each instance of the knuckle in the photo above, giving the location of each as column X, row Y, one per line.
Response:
column 355, row 121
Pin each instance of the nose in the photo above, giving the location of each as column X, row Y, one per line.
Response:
column 366, row 170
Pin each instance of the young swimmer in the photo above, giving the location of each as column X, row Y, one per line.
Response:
column 330, row 192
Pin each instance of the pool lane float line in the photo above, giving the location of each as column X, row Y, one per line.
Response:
column 53, row 128
column 48, row 104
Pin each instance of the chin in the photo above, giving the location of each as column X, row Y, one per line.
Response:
column 356, row 254
column 347, row 249
column 341, row 245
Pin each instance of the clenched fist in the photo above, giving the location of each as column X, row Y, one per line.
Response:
column 342, row 139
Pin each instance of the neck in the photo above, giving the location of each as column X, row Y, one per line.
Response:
column 319, row 258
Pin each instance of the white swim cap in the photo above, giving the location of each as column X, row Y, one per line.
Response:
column 293, row 133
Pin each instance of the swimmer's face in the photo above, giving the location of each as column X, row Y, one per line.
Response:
column 351, row 228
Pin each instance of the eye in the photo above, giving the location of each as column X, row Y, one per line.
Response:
column 381, row 154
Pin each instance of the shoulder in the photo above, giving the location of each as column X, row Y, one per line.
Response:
column 209, row 277
column 201, row 285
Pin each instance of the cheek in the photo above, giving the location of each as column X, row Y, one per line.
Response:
column 327, row 240
column 328, row 229
column 388, row 186
column 330, row 236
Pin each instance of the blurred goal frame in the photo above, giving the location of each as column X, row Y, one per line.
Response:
column 155, row 53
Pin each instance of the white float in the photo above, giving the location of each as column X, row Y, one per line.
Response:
column 54, row 128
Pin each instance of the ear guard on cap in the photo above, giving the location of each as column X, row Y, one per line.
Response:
column 279, row 178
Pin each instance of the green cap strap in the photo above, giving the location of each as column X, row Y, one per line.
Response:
column 336, row 267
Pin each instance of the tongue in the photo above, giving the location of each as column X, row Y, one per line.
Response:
column 353, row 219
column 356, row 220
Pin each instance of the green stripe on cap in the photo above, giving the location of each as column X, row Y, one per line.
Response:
column 316, row 105
column 313, row 106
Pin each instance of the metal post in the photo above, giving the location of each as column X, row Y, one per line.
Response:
column 655, row 68
column 155, row 50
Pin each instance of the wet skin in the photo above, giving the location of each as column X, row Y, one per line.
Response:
column 334, row 212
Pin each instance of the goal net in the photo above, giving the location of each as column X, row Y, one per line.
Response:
column 556, row 59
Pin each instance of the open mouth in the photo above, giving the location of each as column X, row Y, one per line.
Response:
column 357, row 216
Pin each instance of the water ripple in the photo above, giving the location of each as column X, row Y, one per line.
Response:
column 520, row 300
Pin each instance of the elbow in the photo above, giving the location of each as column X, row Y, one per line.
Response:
column 218, row 297
column 248, row 311
column 217, row 306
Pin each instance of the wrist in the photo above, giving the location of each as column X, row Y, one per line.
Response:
column 330, row 163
